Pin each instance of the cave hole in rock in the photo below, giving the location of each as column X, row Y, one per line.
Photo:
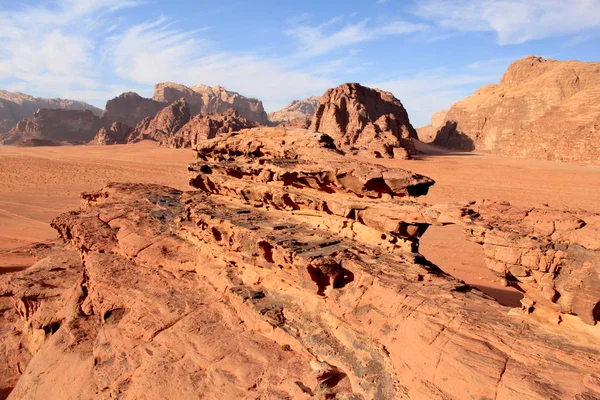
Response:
column 325, row 275
column 448, row 248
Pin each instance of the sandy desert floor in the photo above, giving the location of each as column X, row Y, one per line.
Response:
column 40, row 183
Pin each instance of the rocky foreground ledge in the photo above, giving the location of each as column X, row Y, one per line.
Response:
column 293, row 272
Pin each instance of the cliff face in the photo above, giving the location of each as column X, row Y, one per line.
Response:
column 54, row 126
column 365, row 121
column 540, row 109
column 15, row 107
column 204, row 99
column 130, row 108
column 296, row 111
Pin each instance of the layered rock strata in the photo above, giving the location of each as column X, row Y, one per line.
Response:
column 365, row 121
column 296, row 111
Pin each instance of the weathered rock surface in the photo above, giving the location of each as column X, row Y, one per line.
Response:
column 541, row 108
column 165, row 124
column 117, row 133
column 283, row 276
column 54, row 126
column 365, row 121
column 15, row 107
column 211, row 100
column 202, row 127
column 130, row 108
column 297, row 110
column 427, row 134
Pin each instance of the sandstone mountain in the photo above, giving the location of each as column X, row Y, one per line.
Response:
column 293, row 271
column 202, row 127
column 296, row 110
column 130, row 108
column 117, row 133
column 365, row 121
column 541, row 108
column 204, row 100
column 15, row 107
column 427, row 134
column 54, row 126
column 168, row 121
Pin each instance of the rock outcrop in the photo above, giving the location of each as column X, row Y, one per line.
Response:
column 54, row 126
column 15, row 107
column 365, row 121
column 290, row 273
column 117, row 133
column 211, row 100
column 428, row 133
column 297, row 110
column 165, row 124
column 130, row 108
column 541, row 108
column 202, row 127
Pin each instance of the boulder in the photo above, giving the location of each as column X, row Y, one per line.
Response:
column 365, row 121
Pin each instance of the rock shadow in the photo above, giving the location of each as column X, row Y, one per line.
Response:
column 449, row 136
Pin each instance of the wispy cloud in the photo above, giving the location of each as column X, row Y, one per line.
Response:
column 315, row 40
column 514, row 21
column 154, row 52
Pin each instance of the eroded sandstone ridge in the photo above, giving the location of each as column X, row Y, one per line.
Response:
column 130, row 108
column 54, row 126
column 298, row 112
column 365, row 121
column 15, row 107
column 211, row 100
column 541, row 108
column 289, row 273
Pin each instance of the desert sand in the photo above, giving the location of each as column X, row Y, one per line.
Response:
column 40, row 183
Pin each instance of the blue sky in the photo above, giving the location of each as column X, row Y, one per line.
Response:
column 429, row 53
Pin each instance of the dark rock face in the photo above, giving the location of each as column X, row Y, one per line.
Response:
column 130, row 108
column 118, row 133
column 166, row 123
column 202, row 127
column 54, row 126
column 15, row 107
column 205, row 100
column 365, row 121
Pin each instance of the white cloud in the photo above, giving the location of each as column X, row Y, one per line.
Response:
column 317, row 40
column 514, row 21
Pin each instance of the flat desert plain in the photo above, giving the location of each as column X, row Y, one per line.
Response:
column 39, row 183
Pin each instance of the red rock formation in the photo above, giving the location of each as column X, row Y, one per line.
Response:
column 216, row 100
column 291, row 272
column 427, row 134
column 365, row 121
column 54, row 126
column 540, row 109
column 165, row 124
column 118, row 133
column 297, row 110
column 202, row 127
column 15, row 107
column 130, row 108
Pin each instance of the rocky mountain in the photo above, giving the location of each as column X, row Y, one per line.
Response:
column 365, row 121
column 166, row 123
column 54, row 126
column 202, row 127
column 117, row 133
column 428, row 133
column 293, row 271
column 204, row 100
column 541, row 108
column 15, row 107
column 130, row 108
column 296, row 110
